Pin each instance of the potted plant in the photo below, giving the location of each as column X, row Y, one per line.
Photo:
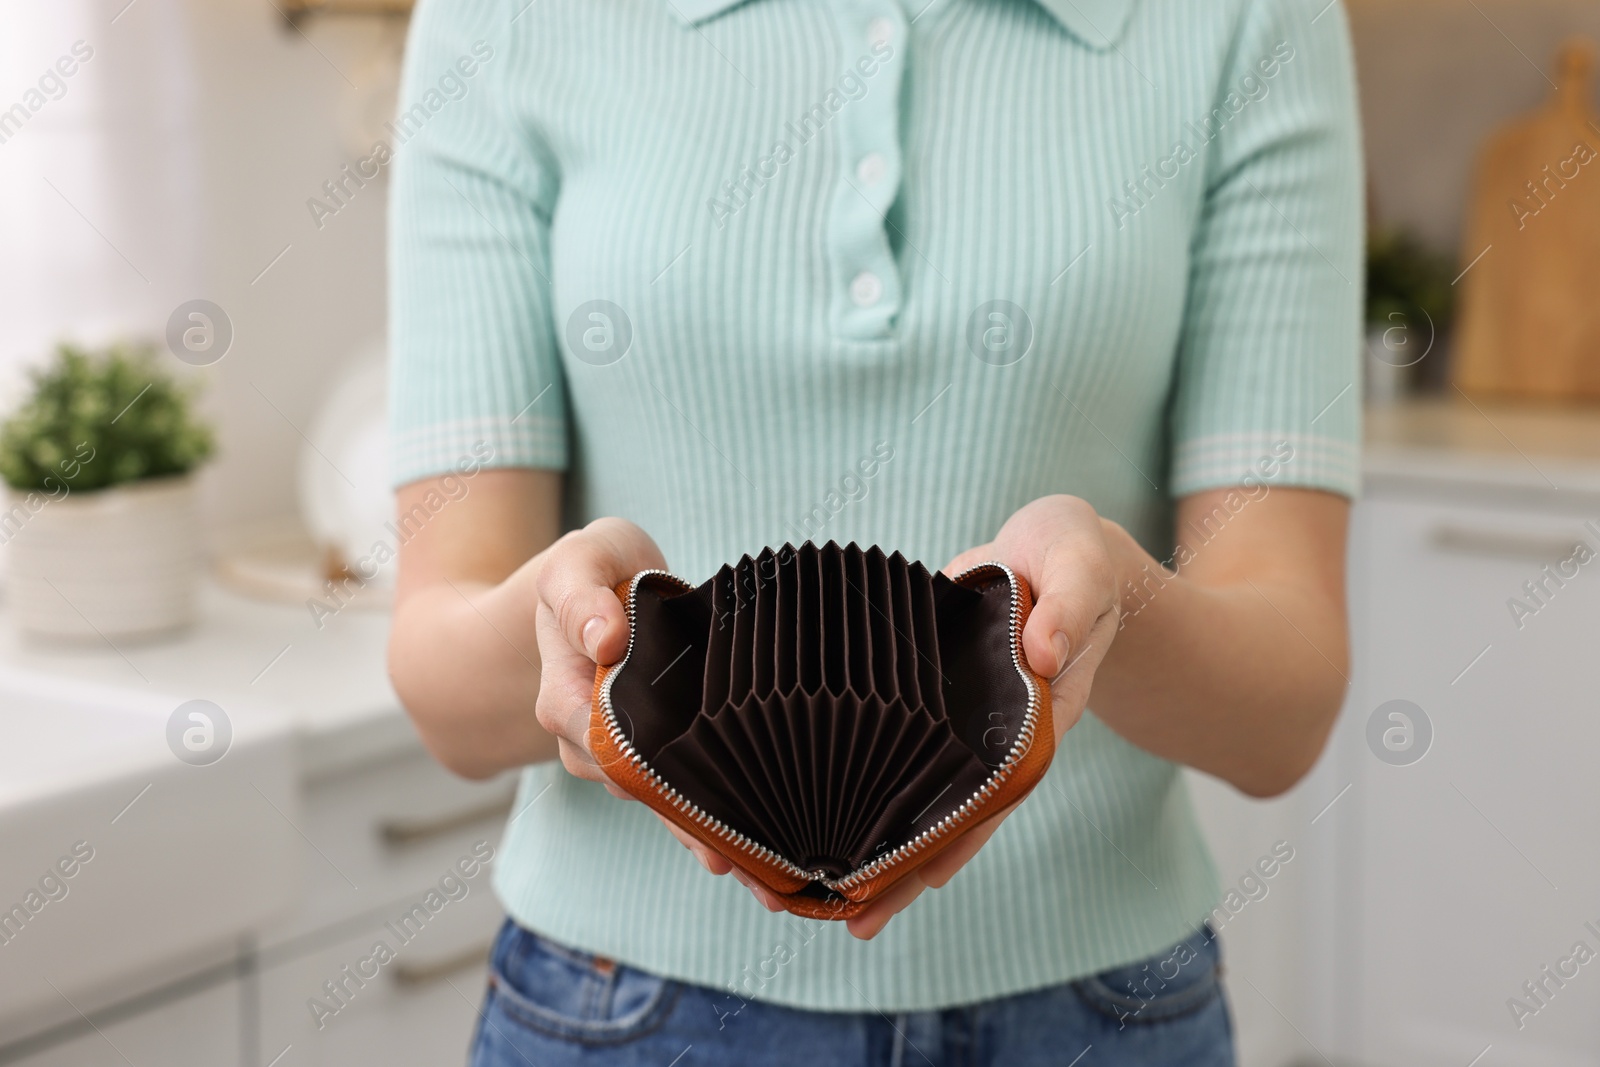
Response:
column 1409, row 308
column 99, row 515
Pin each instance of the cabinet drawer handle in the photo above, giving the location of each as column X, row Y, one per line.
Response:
column 1536, row 548
column 399, row 832
column 412, row 975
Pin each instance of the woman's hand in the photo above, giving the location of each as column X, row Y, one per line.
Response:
column 1233, row 659
column 491, row 606
column 1059, row 545
column 580, row 624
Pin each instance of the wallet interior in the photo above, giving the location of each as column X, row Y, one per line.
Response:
column 830, row 704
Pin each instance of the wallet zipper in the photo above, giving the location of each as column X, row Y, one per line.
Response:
column 872, row 869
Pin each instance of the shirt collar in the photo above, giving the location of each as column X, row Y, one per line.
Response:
column 1097, row 23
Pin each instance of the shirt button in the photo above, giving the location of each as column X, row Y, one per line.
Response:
column 866, row 289
column 880, row 31
column 871, row 168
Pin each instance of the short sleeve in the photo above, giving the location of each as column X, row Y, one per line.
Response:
column 1269, row 354
column 475, row 374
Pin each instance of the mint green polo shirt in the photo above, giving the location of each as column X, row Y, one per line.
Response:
column 751, row 273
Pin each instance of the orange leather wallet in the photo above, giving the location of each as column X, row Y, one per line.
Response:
column 829, row 719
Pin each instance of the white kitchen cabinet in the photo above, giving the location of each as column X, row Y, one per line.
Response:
column 379, row 839
column 201, row 1030
column 1463, row 874
column 419, row 1008
column 375, row 832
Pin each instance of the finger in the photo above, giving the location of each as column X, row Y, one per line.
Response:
column 566, row 683
column 867, row 924
column 577, row 578
column 1069, row 691
column 763, row 896
column 711, row 860
column 934, row 874
column 937, row 872
column 1073, row 602
column 564, row 705
column 578, row 622
column 1073, row 585
column 578, row 762
column 968, row 559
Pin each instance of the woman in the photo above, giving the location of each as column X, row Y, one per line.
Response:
column 1070, row 284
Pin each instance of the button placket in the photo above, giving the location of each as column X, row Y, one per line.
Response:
column 866, row 283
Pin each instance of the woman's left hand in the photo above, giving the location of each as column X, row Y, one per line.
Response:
column 1059, row 545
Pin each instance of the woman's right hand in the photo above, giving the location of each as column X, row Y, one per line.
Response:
column 580, row 624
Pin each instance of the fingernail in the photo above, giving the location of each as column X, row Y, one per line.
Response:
column 591, row 636
column 1062, row 648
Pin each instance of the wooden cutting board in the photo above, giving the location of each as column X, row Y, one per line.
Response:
column 1530, row 317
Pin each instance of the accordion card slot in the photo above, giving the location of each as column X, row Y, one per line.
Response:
column 880, row 608
column 829, row 718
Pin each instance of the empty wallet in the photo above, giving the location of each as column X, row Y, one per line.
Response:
column 827, row 718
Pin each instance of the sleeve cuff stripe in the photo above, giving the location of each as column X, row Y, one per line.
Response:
column 1228, row 459
column 531, row 441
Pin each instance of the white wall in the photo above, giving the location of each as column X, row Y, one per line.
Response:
column 191, row 142
column 276, row 122
column 1437, row 77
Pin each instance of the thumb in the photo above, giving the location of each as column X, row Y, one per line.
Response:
column 968, row 559
column 1072, row 591
column 577, row 579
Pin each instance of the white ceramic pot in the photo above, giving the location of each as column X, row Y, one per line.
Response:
column 112, row 563
column 1389, row 362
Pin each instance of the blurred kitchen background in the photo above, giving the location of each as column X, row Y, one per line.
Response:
column 182, row 911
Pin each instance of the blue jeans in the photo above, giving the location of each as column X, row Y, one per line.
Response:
column 549, row 1005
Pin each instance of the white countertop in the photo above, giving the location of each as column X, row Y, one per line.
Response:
column 330, row 683
column 1461, row 446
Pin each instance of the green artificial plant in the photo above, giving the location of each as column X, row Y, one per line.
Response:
column 1403, row 277
column 99, row 419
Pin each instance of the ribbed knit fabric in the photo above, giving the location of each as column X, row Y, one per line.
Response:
column 796, row 215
